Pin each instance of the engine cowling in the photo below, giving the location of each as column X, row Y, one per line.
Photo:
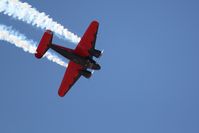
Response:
column 95, row 52
column 85, row 73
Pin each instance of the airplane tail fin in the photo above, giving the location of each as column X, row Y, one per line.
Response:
column 44, row 44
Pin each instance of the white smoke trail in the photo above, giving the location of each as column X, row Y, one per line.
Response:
column 19, row 40
column 26, row 13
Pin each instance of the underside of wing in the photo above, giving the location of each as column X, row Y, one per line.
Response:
column 88, row 40
column 71, row 75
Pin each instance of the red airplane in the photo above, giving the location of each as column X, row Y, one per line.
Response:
column 81, row 58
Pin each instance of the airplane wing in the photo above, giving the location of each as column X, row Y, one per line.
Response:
column 88, row 40
column 70, row 77
column 72, row 73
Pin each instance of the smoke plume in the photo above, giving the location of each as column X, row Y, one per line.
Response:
column 26, row 13
column 19, row 40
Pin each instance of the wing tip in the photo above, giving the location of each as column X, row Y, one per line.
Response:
column 61, row 93
column 95, row 22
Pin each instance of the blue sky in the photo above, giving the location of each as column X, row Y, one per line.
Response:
column 148, row 81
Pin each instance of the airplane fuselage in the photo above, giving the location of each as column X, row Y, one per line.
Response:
column 69, row 54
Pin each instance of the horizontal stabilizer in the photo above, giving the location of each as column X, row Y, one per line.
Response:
column 44, row 44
